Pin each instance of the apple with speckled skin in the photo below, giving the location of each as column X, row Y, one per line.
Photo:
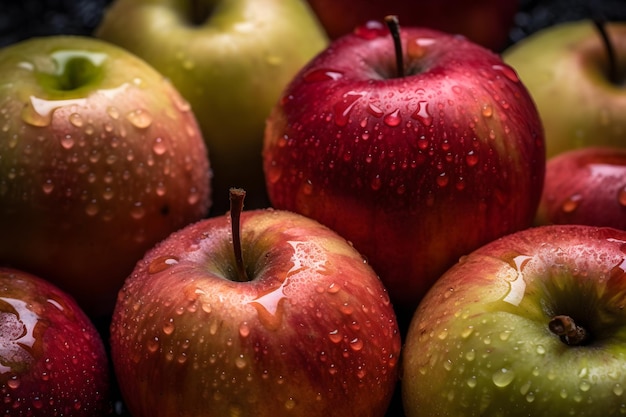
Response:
column 585, row 186
column 415, row 169
column 486, row 22
column 52, row 359
column 100, row 158
column 531, row 324
column 261, row 313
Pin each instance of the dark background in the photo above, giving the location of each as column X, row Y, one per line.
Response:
column 22, row 19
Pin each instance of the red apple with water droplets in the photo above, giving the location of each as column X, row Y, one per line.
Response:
column 261, row 313
column 100, row 158
column 414, row 170
column 585, row 186
column 486, row 22
column 52, row 359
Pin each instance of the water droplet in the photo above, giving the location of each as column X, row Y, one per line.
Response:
column 584, row 385
column 240, row 362
column 356, row 344
column 471, row 382
column 137, row 211
column 571, row 203
column 371, row 30
column 540, row 350
column 503, row 377
column 442, row 179
column 471, row 158
column 376, row 183
column 618, row 389
column 422, row 114
column 159, row 147
column 67, row 142
column 13, row 382
column 244, row 329
column 335, row 336
column 417, row 48
column 161, row 263
column 92, row 208
column 48, row 186
column 168, row 327
column 322, row 74
column 343, row 108
column 507, row 71
column 375, row 110
column 290, row 404
column 393, row 119
column 76, row 119
column 139, row 118
column 487, row 110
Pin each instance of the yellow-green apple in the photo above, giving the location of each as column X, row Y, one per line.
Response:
column 566, row 69
column 261, row 313
column 486, row 22
column 100, row 158
column 585, row 186
column 230, row 60
column 531, row 324
column 52, row 359
column 414, row 170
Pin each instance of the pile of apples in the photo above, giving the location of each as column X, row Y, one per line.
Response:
column 431, row 227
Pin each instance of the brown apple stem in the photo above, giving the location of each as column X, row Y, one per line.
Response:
column 394, row 28
column 237, row 196
column 566, row 328
column 600, row 25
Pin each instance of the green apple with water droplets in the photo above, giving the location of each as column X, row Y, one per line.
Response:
column 100, row 158
column 531, row 324
column 568, row 73
column 52, row 360
column 415, row 167
column 261, row 313
column 230, row 59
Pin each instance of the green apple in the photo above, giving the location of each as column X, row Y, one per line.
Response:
column 100, row 159
column 231, row 60
column 531, row 324
column 566, row 69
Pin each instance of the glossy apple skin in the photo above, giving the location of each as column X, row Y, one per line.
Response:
column 480, row 343
column 486, row 22
column 565, row 69
column 312, row 334
column 585, row 186
column 231, row 66
column 100, row 158
column 414, row 171
column 52, row 359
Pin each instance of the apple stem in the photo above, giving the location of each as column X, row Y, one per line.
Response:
column 237, row 196
column 600, row 24
column 566, row 328
column 394, row 28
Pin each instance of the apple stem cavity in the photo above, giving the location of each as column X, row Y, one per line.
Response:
column 237, row 195
column 613, row 75
column 566, row 328
column 394, row 28
column 200, row 12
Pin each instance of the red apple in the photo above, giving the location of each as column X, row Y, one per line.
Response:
column 585, row 186
column 52, row 359
column 486, row 22
column 531, row 324
column 415, row 170
column 279, row 317
column 100, row 158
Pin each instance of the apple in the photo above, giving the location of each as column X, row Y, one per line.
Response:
column 414, row 170
column 486, row 22
column 52, row 359
column 566, row 69
column 100, row 158
column 260, row 313
column 585, row 186
column 230, row 60
column 531, row 324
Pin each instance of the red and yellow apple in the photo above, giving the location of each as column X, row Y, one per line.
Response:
column 100, row 158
